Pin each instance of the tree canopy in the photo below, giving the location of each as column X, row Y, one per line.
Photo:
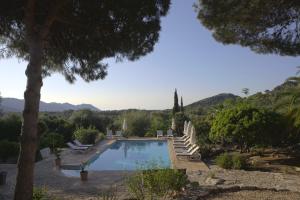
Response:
column 247, row 126
column 73, row 38
column 264, row 26
column 78, row 35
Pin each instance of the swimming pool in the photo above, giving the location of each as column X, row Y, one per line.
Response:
column 131, row 155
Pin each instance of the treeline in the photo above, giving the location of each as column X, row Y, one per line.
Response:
column 56, row 129
column 269, row 119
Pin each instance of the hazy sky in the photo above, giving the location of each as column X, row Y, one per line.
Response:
column 186, row 57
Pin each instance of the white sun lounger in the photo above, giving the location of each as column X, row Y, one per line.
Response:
column 79, row 144
column 109, row 134
column 169, row 133
column 119, row 133
column 185, row 150
column 180, row 138
column 182, row 145
column 159, row 133
column 76, row 148
column 194, row 151
column 181, row 141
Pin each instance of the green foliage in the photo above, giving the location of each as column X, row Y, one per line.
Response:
column 180, row 118
column 176, row 108
column 8, row 150
column 52, row 140
column 138, row 123
column 110, row 194
column 59, row 125
column 10, row 127
column 158, row 121
column 235, row 161
column 239, row 161
column 87, row 118
column 181, row 105
column 246, row 126
column 100, row 137
column 264, row 26
column 86, row 136
column 205, row 106
column 40, row 193
column 75, row 44
column 224, row 161
column 156, row 183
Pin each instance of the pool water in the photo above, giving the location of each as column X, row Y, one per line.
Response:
column 131, row 155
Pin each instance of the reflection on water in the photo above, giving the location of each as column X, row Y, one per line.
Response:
column 129, row 154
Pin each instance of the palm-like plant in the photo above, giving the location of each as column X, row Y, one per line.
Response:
column 292, row 96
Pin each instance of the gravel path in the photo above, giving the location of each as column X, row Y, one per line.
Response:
column 255, row 195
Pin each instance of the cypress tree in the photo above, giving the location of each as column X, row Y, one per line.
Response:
column 176, row 108
column 181, row 105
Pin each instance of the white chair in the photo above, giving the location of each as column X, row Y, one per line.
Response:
column 180, row 138
column 82, row 145
column 182, row 145
column 185, row 141
column 45, row 153
column 119, row 133
column 109, row 134
column 159, row 133
column 185, row 150
column 191, row 153
column 170, row 133
column 76, row 148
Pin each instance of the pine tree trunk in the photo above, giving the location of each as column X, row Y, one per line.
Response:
column 29, row 137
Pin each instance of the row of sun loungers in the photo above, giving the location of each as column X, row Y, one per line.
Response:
column 160, row 133
column 183, row 147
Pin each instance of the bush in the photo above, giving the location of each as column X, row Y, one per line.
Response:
column 39, row 194
column 156, row 183
column 10, row 127
column 224, row 161
column 52, row 140
column 150, row 134
column 235, row 161
column 239, row 161
column 86, row 136
column 100, row 137
column 8, row 150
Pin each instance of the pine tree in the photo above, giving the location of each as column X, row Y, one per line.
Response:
column 73, row 38
column 176, row 108
column 181, row 105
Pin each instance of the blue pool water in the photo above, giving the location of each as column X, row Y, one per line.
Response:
column 131, row 155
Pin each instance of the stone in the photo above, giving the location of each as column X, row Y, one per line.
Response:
column 214, row 181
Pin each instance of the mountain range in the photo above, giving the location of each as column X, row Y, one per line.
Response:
column 16, row 105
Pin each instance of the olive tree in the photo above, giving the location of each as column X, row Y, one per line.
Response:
column 70, row 37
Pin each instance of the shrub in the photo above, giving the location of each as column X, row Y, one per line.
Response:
column 86, row 136
column 100, row 137
column 239, row 161
column 150, row 134
column 224, row 161
column 8, row 150
column 110, row 194
column 156, row 183
column 52, row 140
column 235, row 161
column 39, row 194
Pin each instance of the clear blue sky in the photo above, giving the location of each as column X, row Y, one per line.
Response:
column 186, row 57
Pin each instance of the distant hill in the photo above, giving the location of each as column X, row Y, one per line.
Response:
column 209, row 102
column 16, row 105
